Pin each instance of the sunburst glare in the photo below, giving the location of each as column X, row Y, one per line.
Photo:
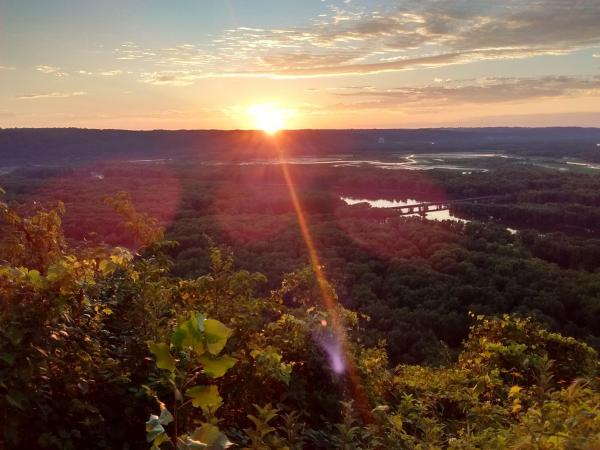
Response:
column 269, row 117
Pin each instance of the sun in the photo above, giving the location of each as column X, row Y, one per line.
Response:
column 269, row 117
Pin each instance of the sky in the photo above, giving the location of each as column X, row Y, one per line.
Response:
column 212, row 64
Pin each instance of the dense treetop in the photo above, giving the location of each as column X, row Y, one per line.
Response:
column 173, row 304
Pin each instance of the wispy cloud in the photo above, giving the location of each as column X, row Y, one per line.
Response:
column 111, row 73
column 355, row 39
column 51, row 70
column 50, row 95
column 129, row 51
column 103, row 73
column 171, row 78
column 185, row 77
column 7, row 68
column 485, row 90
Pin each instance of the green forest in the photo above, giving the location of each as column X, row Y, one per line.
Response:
column 176, row 306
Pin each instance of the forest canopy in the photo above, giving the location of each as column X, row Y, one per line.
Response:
column 105, row 347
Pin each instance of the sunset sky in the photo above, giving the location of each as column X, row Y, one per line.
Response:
column 144, row 64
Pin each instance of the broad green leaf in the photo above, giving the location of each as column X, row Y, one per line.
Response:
column 211, row 437
column 205, row 396
column 164, row 360
column 216, row 367
column 216, row 335
column 190, row 334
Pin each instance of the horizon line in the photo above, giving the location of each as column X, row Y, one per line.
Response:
column 144, row 130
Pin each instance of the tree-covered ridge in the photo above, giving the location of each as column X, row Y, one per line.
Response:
column 103, row 347
column 416, row 279
column 65, row 145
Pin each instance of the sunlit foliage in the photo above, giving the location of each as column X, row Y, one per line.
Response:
column 103, row 347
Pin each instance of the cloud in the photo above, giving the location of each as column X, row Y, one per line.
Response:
column 51, row 70
column 7, row 68
column 111, row 73
column 50, row 95
column 355, row 38
column 427, row 61
column 538, row 24
column 185, row 77
column 103, row 73
column 183, row 55
column 129, row 51
column 485, row 91
column 177, row 78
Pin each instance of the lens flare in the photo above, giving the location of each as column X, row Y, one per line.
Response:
column 335, row 353
column 336, row 346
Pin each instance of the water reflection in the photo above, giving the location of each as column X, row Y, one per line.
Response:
column 467, row 162
column 441, row 216
column 380, row 203
column 582, row 164
column 383, row 203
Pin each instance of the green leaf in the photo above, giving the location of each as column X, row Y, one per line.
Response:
column 205, row 396
column 159, row 440
column 107, row 267
column 190, row 334
column 155, row 432
column 164, row 360
column 216, row 335
column 165, row 417
column 514, row 390
column 216, row 367
column 56, row 272
column 36, row 279
column 210, row 437
column 397, row 422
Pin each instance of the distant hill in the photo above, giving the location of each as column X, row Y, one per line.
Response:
column 73, row 145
